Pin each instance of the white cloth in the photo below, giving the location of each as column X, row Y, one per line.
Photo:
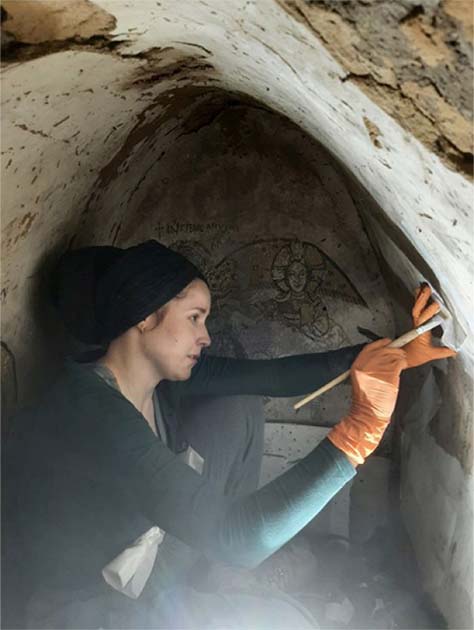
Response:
column 129, row 571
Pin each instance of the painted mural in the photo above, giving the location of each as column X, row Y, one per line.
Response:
column 275, row 289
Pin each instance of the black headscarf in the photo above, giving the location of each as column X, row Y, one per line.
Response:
column 101, row 292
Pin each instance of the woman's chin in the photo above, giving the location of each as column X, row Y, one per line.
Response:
column 181, row 375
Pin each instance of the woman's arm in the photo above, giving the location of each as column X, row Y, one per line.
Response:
column 288, row 376
column 242, row 531
column 256, row 526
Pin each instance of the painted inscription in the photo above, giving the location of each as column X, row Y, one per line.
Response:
column 177, row 228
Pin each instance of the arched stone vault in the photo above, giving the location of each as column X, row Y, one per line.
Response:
column 225, row 125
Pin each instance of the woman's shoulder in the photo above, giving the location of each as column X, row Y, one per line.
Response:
column 83, row 388
column 75, row 382
column 78, row 397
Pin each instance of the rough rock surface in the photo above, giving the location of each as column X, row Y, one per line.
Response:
column 414, row 59
column 32, row 22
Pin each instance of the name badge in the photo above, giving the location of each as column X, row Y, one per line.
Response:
column 193, row 459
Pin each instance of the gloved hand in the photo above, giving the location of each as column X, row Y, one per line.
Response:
column 375, row 377
column 421, row 350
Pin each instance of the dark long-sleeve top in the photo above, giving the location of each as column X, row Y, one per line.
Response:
column 90, row 476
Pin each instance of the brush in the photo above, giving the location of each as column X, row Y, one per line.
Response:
column 437, row 320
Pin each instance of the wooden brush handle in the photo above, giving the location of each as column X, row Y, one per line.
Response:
column 397, row 343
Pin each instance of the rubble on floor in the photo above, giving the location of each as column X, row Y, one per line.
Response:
column 371, row 586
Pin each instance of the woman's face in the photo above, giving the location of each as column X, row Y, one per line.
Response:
column 175, row 344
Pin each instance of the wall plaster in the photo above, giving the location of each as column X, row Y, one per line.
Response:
column 87, row 131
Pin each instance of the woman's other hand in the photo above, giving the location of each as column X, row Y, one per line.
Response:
column 421, row 350
column 375, row 378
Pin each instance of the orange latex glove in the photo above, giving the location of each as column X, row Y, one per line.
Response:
column 375, row 377
column 421, row 350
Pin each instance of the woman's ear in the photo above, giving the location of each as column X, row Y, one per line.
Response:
column 150, row 322
column 146, row 324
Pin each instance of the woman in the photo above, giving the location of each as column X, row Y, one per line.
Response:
column 99, row 461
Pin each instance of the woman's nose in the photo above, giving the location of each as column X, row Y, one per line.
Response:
column 206, row 339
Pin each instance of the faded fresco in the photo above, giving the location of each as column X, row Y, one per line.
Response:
column 280, row 287
column 275, row 297
column 267, row 216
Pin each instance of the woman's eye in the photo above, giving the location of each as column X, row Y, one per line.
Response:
column 194, row 318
